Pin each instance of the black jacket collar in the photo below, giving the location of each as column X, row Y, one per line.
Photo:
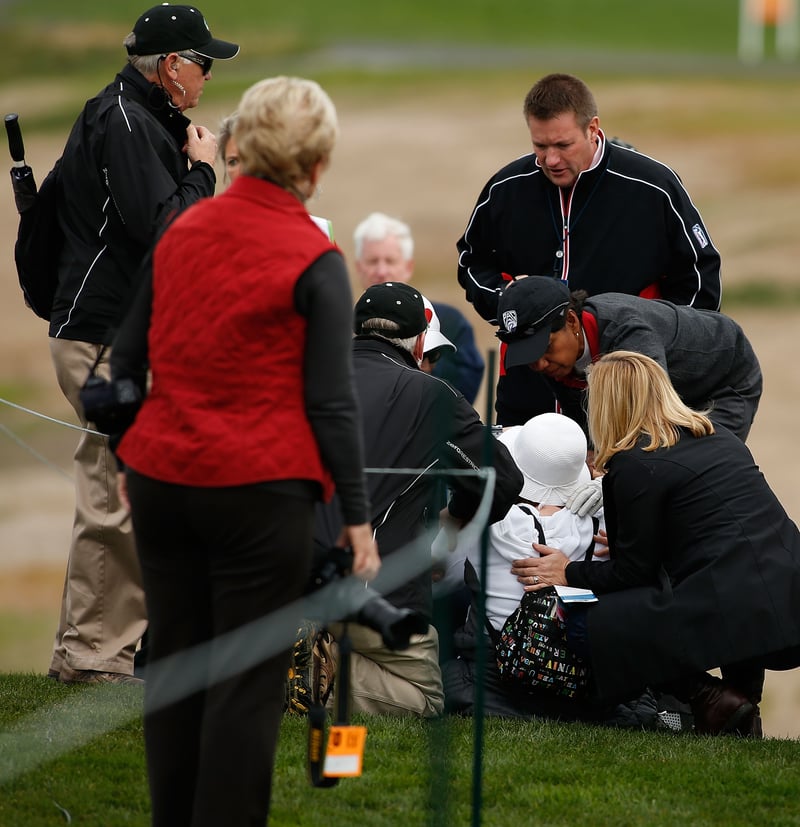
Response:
column 154, row 98
column 367, row 342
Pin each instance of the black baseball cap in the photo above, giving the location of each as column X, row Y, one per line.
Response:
column 395, row 301
column 171, row 28
column 528, row 311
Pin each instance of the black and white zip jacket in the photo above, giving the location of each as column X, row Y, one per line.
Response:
column 627, row 226
column 124, row 177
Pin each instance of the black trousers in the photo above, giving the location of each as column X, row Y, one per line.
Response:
column 214, row 560
column 747, row 676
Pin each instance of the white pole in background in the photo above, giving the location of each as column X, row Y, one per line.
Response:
column 751, row 30
column 787, row 33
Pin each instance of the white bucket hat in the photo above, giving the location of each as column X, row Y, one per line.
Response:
column 435, row 338
column 508, row 436
column 550, row 450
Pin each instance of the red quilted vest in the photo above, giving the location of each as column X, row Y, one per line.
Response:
column 226, row 345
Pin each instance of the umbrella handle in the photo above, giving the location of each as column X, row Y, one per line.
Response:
column 15, row 145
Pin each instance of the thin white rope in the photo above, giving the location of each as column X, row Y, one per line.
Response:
column 33, row 452
column 50, row 418
column 29, row 448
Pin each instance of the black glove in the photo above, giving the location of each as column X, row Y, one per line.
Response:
column 111, row 406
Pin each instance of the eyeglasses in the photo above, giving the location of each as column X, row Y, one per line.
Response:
column 201, row 60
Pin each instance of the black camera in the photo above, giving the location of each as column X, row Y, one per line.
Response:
column 112, row 406
column 395, row 626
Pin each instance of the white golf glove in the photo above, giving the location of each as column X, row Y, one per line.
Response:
column 588, row 499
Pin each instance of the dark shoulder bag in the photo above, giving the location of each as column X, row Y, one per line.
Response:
column 531, row 648
column 38, row 247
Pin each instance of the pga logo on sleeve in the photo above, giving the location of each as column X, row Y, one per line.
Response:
column 701, row 237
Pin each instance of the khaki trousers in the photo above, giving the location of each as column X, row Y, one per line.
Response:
column 103, row 613
column 385, row 682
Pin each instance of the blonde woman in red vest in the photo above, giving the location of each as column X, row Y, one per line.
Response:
column 250, row 419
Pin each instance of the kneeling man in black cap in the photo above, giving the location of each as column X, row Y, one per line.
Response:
column 410, row 420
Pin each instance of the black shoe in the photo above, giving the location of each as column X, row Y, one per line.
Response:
column 754, row 730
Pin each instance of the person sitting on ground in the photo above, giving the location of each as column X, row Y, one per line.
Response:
column 704, row 562
column 409, row 420
column 550, row 450
column 384, row 251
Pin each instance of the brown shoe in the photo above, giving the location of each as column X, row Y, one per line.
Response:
column 72, row 676
column 718, row 709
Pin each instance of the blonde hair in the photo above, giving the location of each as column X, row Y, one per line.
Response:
column 631, row 395
column 285, row 126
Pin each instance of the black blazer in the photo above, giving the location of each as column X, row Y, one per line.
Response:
column 704, row 568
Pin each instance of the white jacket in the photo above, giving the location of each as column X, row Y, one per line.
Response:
column 511, row 539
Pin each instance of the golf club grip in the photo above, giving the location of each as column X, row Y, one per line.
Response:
column 15, row 145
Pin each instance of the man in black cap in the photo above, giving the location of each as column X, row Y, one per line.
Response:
column 559, row 334
column 413, row 420
column 132, row 162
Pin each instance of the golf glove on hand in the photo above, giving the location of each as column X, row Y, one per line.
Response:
column 588, row 499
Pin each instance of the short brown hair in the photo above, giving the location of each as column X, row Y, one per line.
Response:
column 555, row 94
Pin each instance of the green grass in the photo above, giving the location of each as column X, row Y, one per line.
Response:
column 18, row 630
column 680, row 25
column 415, row 772
column 77, row 45
column 84, row 37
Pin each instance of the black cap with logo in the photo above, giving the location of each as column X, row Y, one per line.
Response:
column 528, row 311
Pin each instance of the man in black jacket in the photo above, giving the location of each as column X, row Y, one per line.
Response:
column 384, row 251
column 412, row 420
column 587, row 210
column 131, row 163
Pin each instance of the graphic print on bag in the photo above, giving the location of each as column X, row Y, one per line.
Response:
column 532, row 649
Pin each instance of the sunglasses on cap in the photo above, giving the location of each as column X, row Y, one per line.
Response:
column 201, row 60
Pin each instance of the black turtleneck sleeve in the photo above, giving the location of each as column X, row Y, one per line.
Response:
column 323, row 297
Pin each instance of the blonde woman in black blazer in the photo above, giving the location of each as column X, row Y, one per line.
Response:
column 704, row 565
